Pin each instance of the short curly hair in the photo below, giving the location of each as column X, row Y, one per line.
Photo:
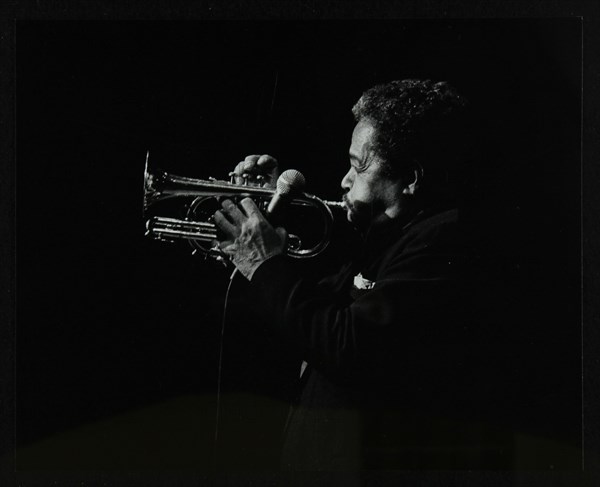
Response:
column 418, row 124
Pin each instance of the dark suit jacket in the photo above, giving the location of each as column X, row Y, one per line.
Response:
column 390, row 381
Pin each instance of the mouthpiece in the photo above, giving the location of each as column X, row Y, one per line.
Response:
column 335, row 204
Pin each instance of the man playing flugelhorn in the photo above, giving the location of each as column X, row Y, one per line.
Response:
column 381, row 340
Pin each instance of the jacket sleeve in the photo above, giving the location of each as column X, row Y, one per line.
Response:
column 342, row 336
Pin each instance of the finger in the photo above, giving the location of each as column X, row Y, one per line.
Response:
column 225, row 225
column 282, row 232
column 266, row 162
column 247, row 166
column 283, row 235
column 228, row 247
column 249, row 206
column 239, row 171
column 233, row 212
column 252, row 158
column 239, row 168
column 249, row 163
column 268, row 166
column 216, row 251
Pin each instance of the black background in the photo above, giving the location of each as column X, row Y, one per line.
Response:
column 108, row 321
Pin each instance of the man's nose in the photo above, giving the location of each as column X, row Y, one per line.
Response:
column 347, row 181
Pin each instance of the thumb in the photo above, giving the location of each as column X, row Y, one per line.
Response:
column 283, row 235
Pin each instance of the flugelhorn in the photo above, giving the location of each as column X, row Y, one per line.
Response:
column 308, row 219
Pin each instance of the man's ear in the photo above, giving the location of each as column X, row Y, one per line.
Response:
column 413, row 187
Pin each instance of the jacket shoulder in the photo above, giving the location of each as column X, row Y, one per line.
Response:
column 431, row 247
column 435, row 228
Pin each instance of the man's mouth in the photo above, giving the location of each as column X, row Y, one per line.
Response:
column 349, row 207
column 347, row 204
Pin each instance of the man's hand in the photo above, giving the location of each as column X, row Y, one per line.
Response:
column 249, row 238
column 265, row 166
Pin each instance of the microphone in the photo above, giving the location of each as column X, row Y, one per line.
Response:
column 289, row 183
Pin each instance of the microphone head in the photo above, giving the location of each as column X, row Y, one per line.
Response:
column 290, row 181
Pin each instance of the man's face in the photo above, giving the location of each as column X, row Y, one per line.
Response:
column 368, row 193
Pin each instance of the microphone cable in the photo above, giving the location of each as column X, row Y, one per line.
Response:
column 220, row 366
